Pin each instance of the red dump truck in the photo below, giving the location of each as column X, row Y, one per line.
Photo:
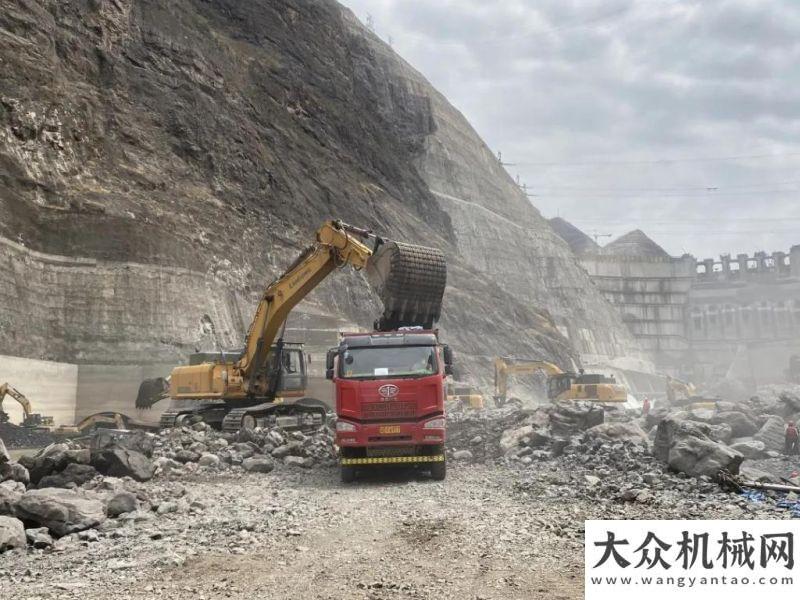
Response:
column 390, row 393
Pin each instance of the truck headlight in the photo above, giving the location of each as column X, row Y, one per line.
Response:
column 435, row 423
column 344, row 426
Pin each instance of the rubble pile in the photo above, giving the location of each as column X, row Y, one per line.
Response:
column 76, row 489
column 15, row 436
column 673, row 456
column 254, row 450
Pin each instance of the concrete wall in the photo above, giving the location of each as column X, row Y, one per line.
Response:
column 651, row 295
column 704, row 320
column 51, row 387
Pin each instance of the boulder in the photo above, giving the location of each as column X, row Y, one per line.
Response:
column 772, row 433
column 8, row 500
column 12, row 534
column 74, row 475
column 209, row 460
column 618, row 432
column 697, row 456
column 39, row 537
column 123, row 502
column 753, row 474
column 512, row 437
column 721, row 432
column 299, row 462
column 740, row 423
column 4, row 455
column 118, row 461
column 462, row 455
column 61, row 511
column 137, row 441
column 49, row 460
column 791, row 403
column 751, row 449
column 258, row 465
column 571, row 418
column 672, row 428
column 14, row 471
column 186, row 456
column 247, row 449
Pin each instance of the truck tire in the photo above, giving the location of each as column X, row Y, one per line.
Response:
column 348, row 474
column 439, row 470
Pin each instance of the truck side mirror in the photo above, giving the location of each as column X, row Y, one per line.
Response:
column 329, row 362
column 448, row 360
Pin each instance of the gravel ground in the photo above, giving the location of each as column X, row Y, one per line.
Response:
column 488, row 531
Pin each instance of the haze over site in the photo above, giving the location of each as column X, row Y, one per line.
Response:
column 681, row 118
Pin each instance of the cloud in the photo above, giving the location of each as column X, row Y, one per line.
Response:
column 632, row 82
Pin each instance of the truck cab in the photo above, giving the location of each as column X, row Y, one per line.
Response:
column 390, row 399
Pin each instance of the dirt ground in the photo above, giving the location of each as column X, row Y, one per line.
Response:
column 306, row 535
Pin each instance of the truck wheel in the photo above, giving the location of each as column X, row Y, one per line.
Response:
column 348, row 474
column 439, row 470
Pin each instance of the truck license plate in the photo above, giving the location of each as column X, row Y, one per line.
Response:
column 389, row 429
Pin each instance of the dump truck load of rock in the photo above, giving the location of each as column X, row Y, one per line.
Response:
column 410, row 281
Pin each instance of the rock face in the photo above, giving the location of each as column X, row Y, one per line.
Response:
column 192, row 146
column 61, row 511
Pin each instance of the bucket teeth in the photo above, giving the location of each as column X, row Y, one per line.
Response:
column 410, row 281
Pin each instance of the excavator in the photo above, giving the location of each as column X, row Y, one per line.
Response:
column 265, row 383
column 561, row 385
column 30, row 419
column 684, row 394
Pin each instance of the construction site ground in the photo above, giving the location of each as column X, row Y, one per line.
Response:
column 303, row 534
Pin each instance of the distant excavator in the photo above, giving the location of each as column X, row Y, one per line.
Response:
column 30, row 419
column 266, row 381
column 684, row 394
column 561, row 385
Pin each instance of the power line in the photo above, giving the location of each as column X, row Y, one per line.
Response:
column 717, row 219
column 704, row 188
column 656, row 196
column 659, row 160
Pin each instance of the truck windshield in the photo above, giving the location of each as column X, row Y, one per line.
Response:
column 374, row 363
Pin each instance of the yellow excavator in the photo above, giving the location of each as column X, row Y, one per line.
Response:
column 30, row 419
column 684, row 394
column 266, row 381
column 561, row 385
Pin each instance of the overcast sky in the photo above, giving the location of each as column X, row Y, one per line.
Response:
column 681, row 118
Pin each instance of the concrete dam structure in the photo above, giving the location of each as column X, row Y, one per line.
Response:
column 703, row 320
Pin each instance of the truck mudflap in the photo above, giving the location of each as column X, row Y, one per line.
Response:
column 387, row 460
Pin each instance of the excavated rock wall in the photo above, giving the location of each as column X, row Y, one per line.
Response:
column 180, row 153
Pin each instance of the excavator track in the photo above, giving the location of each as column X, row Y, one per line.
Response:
column 177, row 417
column 286, row 416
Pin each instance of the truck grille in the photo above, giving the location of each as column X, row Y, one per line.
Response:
column 388, row 410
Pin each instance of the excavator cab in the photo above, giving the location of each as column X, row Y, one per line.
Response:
column 558, row 385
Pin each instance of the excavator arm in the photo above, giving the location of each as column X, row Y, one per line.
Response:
column 6, row 389
column 337, row 245
column 503, row 368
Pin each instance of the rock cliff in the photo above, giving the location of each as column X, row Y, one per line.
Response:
column 183, row 152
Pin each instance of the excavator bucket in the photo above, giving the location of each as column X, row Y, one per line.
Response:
column 410, row 281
